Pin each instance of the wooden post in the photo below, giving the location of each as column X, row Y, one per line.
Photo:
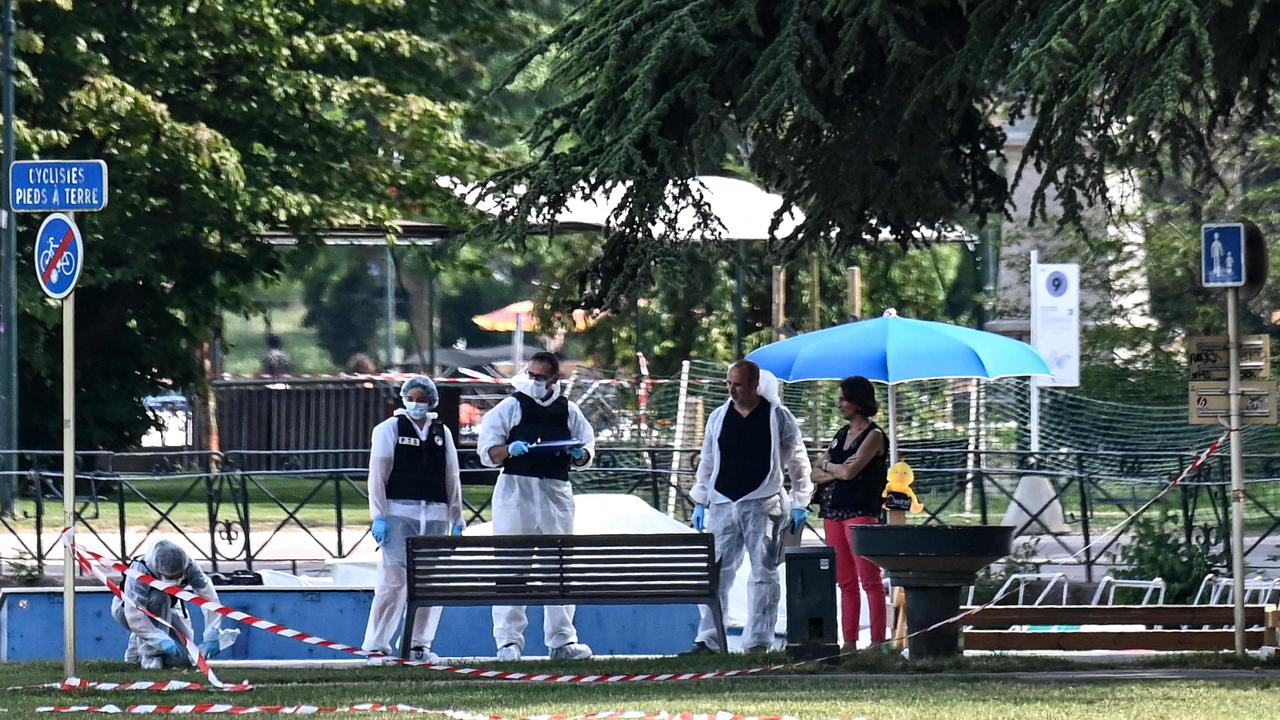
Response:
column 779, row 317
column 898, row 605
column 855, row 292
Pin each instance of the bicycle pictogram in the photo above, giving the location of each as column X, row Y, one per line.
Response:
column 66, row 264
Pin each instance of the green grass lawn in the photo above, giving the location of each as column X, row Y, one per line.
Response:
column 969, row 690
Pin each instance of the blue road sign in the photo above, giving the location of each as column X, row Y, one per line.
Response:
column 59, row 255
column 58, row 185
column 1222, row 255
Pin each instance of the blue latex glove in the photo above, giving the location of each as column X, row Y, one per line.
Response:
column 211, row 649
column 170, row 648
column 517, row 448
column 379, row 530
column 798, row 518
column 457, row 529
column 699, row 517
column 577, row 453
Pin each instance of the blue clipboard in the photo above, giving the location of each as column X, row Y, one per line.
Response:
column 554, row 446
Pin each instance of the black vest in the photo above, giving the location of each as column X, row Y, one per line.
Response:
column 538, row 423
column 861, row 494
column 419, row 467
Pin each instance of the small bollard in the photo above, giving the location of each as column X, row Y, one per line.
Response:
column 811, row 603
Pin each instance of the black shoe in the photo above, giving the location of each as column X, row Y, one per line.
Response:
column 700, row 648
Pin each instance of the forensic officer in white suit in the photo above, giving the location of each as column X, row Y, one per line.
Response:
column 741, row 498
column 151, row 643
column 533, row 495
column 414, row 489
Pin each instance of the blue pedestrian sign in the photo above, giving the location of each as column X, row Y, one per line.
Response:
column 59, row 255
column 58, row 185
column 1222, row 255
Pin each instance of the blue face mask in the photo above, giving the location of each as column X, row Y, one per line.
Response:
column 416, row 410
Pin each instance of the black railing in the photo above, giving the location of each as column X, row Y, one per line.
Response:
column 249, row 507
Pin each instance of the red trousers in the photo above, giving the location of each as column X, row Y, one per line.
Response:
column 854, row 572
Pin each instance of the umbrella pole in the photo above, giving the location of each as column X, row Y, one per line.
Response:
column 893, row 425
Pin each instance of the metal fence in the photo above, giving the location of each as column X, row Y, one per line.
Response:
column 247, row 508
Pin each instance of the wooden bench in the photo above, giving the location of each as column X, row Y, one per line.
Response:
column 655, row 569
column 1165, row 627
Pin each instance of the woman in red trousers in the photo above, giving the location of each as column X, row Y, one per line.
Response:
column 851, row 476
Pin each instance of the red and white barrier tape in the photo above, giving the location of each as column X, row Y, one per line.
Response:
column 210, row 708
column 85, row 556
column 74, row 684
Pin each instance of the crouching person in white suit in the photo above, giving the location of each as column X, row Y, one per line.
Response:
column 151, row 643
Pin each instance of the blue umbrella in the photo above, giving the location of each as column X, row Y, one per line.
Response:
column 894, row 350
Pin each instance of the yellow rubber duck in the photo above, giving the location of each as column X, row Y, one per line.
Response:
column 899, row 485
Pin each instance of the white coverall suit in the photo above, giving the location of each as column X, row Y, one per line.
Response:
column 404, row 519
column 753, row 524
column 147, row 635
column 524, row 505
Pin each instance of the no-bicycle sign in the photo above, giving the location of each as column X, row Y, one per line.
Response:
column 59, row 255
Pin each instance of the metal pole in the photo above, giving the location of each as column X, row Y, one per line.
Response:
column 1034, row 390
column 1237, row 465
column 8, row 279
column 432, row 342
column 815, row 319
column 893, row 425
column 737, row 301
column 390, row 301
column 69, row 482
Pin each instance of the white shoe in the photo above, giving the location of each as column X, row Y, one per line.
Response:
column 379, row 661
column 423, row 654
column 152, row 662
column 571, row 651
column 509, row 653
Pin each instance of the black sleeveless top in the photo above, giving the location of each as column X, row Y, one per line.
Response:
column 859, row 497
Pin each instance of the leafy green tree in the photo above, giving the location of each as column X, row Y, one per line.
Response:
column 219, row 120
column 873, row 117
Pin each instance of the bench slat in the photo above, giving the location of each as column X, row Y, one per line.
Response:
column 1109, row 640
column 649, row 561
column 998, row 616
column 584, row 542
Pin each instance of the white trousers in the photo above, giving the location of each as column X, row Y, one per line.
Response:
column 390, row 594
column 752, row 527
column 140, row 647
column 532, row 506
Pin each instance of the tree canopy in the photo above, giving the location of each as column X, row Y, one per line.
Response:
column 219, row 119
column 874, row 117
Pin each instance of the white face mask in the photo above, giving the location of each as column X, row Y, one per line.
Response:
column 537, row 389
column 416, row 410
